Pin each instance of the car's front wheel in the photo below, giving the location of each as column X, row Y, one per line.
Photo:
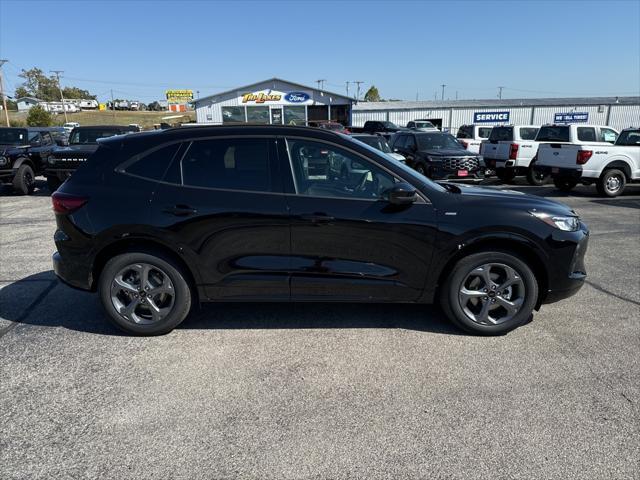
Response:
column 489, row 293
column 24, row 182
column 144, row 293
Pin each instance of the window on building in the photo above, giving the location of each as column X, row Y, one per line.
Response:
column 258, row 114
column 233, row 164
column 295, row 115
column 233, row 115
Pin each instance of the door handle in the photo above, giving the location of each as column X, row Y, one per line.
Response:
column 317, row 218
column 180, row 210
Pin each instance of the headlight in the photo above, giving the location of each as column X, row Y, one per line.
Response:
column 3, row 160
column 562, row 222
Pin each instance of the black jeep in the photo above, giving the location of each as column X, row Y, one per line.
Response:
column 23, row 154
column 83, row 141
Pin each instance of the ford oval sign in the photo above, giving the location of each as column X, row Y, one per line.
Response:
column 296, row 97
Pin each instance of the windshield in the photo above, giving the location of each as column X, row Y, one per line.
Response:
column 553, row 133
column 424, row 125
column 389, row 125
column 501, row 134
column 629, row 138
column 84, row 137
column 408, row 172
column 13, row 136
column 437, row 141
column 376, row 142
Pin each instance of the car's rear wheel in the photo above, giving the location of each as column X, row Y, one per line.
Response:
column 564, row 184
column 506, row 174
column 144, row 294
column 536, row 178
column 24, row 182
column 611, row 183
column 489, row 293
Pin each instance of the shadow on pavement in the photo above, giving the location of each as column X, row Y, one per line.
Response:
column 41, row 190
column 41, row 300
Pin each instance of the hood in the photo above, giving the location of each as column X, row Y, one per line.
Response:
column 74, row 150
column 448, row 152
column 512, row 198
column 397, row 156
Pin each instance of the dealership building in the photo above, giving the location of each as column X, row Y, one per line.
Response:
column 274, row 101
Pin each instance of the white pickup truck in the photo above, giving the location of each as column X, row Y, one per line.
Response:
column 510, row 149
column 471, row 136
column 610, row 167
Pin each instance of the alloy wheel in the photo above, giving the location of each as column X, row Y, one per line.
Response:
column 492, row 294
column 613, row 184
column 142, row 293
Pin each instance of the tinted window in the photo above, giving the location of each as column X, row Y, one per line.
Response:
column 629, row 138
column 399, row 141
column 528, row 133
column 90, row 136
column 501, row 134
column 154, row 164
column 410, row 142
column 46, row 138
column 437, row 141
column 233, row 115
column 12, row 136
column 586, row 134
column 484, row 132
column 323, row 170
column 234, row 164
column 465, row 131
column 553, row 133
column 608, row 135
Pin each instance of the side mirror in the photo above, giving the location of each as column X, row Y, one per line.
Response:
column 401, row 194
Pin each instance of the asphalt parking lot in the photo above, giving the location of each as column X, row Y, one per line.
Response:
column 320, row 391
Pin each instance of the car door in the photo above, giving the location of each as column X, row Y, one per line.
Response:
column 41, row 146
column 347, row 242
column 222, row 204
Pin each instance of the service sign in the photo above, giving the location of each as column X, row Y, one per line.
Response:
column 179, row 96
column 486, row 117
column 571, row 117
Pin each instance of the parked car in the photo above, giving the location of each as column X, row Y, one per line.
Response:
column 438, row 155
column 159, row 221
column 70, row 126
column 471, row 136
column 509, row 150
column 329, row 125
column 23, row 153
column 83, row 141
column 609, row 167
column 422, row 125
column 376, row 127
column 379, row 143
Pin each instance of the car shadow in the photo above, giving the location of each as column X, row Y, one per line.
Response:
column 42, row 300
column 41, row 190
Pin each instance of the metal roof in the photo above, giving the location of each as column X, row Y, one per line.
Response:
column 273, row 79
column 518, row 102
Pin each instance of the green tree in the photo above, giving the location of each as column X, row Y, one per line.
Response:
column 39, row 117
column 21, row 92
column 38, row 85
column 372, row 95
column 75, row 92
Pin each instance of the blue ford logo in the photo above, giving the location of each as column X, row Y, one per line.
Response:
column 296, row 97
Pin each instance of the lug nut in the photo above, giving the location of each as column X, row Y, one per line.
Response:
column 493, row 300
column 485, row 290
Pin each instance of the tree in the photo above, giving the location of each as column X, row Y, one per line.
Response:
column 372, row 95
column 21, row 92
column 37, row 84
column 75, row 92
column 39, row 117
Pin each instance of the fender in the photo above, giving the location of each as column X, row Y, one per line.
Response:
column 620, row 162
column 20, row 160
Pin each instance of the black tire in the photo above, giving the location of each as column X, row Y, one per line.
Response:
column 536, row 179
column 450, row 292
column 24, row 182
column 611, row 183
column 506, row 175
column 564, row 184
column 182, row 301
column 421, row 169
column 53, row 183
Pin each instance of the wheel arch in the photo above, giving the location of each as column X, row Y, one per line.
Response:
column 620, row 165
column 24, row 160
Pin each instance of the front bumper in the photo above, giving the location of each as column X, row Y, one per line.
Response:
column 7, row 174
column 438, row 172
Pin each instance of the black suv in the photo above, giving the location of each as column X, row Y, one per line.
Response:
column 438, row 155
column 83, row 141
column 23, row 153
column 158, row 221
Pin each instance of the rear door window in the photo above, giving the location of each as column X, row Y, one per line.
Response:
column 553, row 133
column 501, row 134
column 528, row 133
column 608, row 135
column 586, row 134
column 230, row 164
column 154, row 163
column 410, row 143
column 400, row 141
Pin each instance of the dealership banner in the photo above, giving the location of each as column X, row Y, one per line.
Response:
column 484, row 117
column 179, row 96
column 274, row 96
column 571, row 117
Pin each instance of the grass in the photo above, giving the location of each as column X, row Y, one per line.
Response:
column 146, row 120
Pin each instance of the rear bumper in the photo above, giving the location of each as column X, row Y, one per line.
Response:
column 574, row 173
column 73, row 274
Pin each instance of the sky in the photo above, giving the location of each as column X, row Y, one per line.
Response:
column 407, row 49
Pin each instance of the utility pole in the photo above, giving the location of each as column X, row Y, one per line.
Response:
column 456, row 94
column 321, row 83
column 435, row 95
column 416, row 95
column 348, row 82
column 113, row 105
column 358, row 82
column 443, row 85
column 57, row 74
column 4, row 98
column 500, row 92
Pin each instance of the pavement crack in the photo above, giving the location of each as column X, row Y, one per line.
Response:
column 607, row 292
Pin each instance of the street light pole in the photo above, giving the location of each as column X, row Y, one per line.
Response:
column 57, row 74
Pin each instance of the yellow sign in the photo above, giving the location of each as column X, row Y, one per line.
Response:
column 261, row 97
column 102, row 106
column 179, row 96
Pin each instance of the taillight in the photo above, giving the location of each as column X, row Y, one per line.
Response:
column 65, row 203
column 513, row 151
column 583, row 156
